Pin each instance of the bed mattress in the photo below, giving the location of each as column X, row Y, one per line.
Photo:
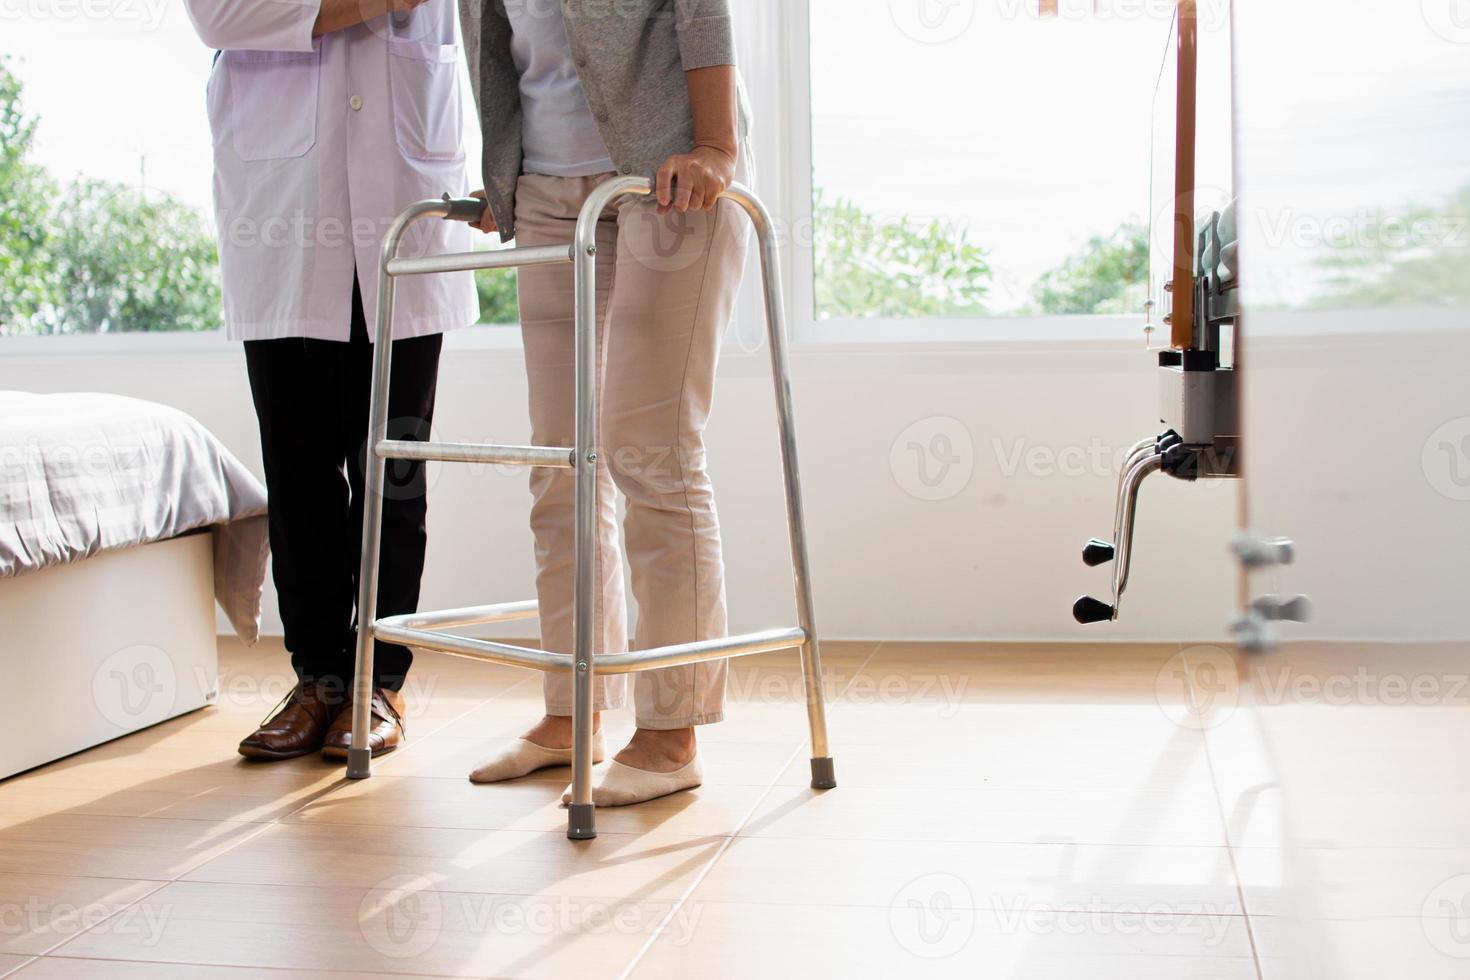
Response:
column 86, row 473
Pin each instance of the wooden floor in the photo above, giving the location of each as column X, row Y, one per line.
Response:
column 1003, row 811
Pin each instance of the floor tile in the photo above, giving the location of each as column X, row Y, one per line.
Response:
column 139, row 847
column 402, row 925
column 988, row 876
column 504, row 862
column 915, row 939
column 42, row 911
column 1186, row 816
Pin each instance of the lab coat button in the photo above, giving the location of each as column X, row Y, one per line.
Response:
column 355, row 102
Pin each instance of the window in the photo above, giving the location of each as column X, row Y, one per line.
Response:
column 973, row 160
column 106, row 161
column 106, row 165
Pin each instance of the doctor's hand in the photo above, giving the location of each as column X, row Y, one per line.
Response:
column 694, row 181
column 486, row 222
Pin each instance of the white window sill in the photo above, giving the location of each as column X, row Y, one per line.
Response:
column 477, row 338
column 978, row 333
column 855, row 337
column 84, row 345
column 821, row 335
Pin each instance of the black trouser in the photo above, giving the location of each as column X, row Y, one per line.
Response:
column 311, row 397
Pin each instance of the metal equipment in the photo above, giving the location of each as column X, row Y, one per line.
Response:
column 1199, row 301
column 428, row 630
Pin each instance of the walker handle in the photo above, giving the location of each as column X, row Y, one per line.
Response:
column 463, row 208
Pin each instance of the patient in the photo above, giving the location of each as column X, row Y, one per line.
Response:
column 320, row 139
column 647, row 88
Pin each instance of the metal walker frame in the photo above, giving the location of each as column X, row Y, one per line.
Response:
column 427, row 629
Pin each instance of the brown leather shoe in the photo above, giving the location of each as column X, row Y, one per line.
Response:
column 299, row 727
column 385, row 727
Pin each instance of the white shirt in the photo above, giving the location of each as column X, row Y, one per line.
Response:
column 559, row 137
column 318, row 145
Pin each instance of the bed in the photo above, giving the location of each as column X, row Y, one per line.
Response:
column 122, row 524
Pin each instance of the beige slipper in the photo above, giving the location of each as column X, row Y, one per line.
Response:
column 523, row 757
column 622, row 785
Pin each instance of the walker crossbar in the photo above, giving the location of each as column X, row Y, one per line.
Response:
column 463, row 452
column 428, row 629
column 504, row 258
column 607, row 663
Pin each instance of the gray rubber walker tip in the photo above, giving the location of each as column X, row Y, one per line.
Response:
column 580, row 822
column 359, row 763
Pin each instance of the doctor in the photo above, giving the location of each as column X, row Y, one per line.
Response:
column 329, row 117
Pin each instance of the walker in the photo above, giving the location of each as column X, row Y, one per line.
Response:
column 427, row 630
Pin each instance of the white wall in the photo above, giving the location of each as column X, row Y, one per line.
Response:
column 997, row 559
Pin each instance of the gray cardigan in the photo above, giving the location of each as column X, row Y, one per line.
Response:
column 631, row 56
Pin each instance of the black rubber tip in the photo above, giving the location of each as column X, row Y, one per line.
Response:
column 581, row 825
column 824, row 776
column 1089, row 610
column 1097, row 552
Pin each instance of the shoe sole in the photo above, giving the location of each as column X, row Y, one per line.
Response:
column 272, row 755
column 331, row 752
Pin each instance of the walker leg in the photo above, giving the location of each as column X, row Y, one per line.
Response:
column 581, row 822
column 359, row 755
column 823, row 773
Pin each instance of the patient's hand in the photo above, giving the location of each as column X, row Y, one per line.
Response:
column 486, row 223
column 694, row 181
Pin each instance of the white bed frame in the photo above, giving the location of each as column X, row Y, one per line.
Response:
column 100, row 648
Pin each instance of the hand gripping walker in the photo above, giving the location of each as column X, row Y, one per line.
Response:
column 426, row 629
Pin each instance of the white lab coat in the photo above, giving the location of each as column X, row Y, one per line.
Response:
column 318, row 144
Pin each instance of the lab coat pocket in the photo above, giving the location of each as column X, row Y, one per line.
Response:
column 427, row 118
column 273, row 102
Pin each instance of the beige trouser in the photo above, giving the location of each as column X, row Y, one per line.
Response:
column 666, row 287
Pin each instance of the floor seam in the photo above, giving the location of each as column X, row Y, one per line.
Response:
column 1250, row 932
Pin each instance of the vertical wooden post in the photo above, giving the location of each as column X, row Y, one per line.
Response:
column 1182, row 332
